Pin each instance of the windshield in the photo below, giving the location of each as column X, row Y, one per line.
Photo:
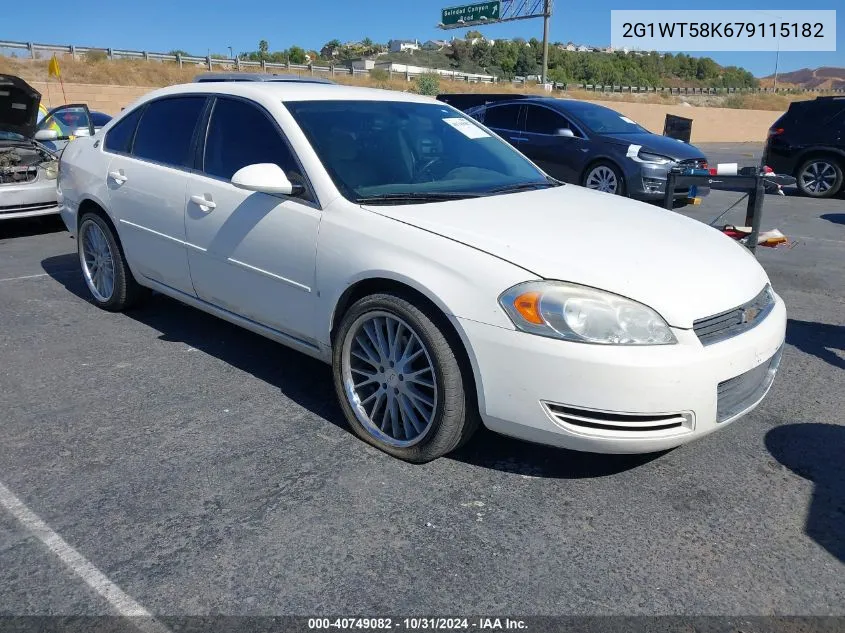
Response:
column 402, row 152
column 604, row 120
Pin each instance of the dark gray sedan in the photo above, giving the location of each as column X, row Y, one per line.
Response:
column 588, row 144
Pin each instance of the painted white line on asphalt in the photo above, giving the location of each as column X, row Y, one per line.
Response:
column 79, row 565
column 55, row 272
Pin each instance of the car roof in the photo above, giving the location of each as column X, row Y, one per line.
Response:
column 290, row 91
column 241, row 76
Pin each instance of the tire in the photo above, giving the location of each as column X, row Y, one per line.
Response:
column 603, row 174
column 114, row 289
column 820, row 177
column 434, row 412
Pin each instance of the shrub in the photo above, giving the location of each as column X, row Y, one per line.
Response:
column 428, row 84
column 96, row 56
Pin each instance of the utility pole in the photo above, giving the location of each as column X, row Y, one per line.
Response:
column 547, row 14
column 777, row 59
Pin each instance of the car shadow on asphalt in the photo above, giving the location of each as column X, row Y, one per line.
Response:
column 836, row 218
column 818, row 339
column 816, row 452
column 308, row 382
column 27, row 227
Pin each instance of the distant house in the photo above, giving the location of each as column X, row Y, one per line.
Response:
column 475, row 40
column 583, row 49
column 571, row 47
column 400, row 46
column 435, row 45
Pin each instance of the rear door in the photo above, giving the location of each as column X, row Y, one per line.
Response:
column 68, row 122
column 147, row 178
column 505, row 120
column 252, row 253
column 560, row 156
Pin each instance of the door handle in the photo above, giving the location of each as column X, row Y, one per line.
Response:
column 203, row 202
column 118, row 176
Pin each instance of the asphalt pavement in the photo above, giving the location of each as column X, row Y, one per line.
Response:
column 201, row 469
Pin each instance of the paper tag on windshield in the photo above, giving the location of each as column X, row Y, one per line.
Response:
column 466, row 128
column 627, row 120
column 633, row 150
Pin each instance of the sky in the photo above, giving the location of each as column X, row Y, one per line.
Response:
column 203, row 26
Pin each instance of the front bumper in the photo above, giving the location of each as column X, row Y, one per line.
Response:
column 617, row 399
column 648, row 182
column 28, row 199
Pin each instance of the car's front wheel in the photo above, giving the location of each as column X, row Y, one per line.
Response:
column 399, row 380
column 820, row 177
column 605, row 177
column 104, row 267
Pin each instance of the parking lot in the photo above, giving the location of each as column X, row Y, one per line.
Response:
column 204, row 470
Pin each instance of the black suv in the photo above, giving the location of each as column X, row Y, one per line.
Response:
column 808, row 142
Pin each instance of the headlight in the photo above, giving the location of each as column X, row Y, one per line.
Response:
column 584, row 315
column 648, row 157
column 51, row 169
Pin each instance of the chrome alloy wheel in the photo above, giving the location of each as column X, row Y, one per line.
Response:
column 97, row 261
column 602, row 178
column 389, row 379
column 818, row 177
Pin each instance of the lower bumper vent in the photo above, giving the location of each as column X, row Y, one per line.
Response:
column 633, row 423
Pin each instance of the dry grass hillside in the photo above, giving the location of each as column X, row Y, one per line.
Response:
column 156, row 74
column 826, row 78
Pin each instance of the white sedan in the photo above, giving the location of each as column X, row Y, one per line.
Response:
column 444, row 276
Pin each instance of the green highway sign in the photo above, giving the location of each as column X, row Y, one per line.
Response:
column 470, row 13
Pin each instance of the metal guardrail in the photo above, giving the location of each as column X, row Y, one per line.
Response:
column 210, row 62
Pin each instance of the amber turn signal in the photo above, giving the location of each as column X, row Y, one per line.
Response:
column 528, row 306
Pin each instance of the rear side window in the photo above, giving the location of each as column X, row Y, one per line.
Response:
column 166, row 129
column 119, row 138
column 503, row 117
column 241, row 134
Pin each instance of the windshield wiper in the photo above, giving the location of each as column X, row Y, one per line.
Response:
column 524, row 186
column 417, row 196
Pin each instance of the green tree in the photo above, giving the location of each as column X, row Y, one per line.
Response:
column 296, row 55
column 263, row 49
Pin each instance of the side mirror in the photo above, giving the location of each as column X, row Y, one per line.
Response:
column 565, row 131
column 264, row 178
column 46, row 135
column 82, row 131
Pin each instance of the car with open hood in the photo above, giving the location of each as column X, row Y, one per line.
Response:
column 30, row 146
column 445, row 278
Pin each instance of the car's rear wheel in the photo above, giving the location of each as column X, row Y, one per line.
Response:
column 104, row 267
column 399, row 380
column 820, row 177
column 605, row 177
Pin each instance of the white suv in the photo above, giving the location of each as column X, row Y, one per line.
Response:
column 443, row 275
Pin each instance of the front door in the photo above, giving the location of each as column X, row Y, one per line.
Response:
column 505, row 121
column 252, row 253
column 555, row 152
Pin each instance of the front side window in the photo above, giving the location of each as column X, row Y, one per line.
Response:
column 406, row 152
column 119, row 137
column 540, row 120
column 240, row 134
column 166, row 129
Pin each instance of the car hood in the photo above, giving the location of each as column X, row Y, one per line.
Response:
column 663, row 145
column 680, row 267
column 18, row 106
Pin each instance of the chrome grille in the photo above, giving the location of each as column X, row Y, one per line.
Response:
column 634, row 423
column 722, row 326
column 741, row 392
